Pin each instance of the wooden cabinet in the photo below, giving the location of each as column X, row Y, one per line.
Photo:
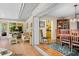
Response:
column 61, row 24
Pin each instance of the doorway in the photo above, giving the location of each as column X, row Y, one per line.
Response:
column 45, row 31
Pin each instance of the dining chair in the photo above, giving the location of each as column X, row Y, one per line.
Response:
column 43, row 38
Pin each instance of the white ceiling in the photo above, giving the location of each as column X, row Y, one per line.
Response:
column 61, row 10
column 15, row 11
column 9, row 10
column 27, row 10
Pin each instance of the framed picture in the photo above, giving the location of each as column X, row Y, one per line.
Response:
column 42, row 23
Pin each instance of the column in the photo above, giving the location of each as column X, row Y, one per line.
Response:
column 35, row 40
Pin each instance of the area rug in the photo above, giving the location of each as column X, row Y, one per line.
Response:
column 65, row 50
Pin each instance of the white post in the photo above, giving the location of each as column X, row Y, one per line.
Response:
column 35, row 34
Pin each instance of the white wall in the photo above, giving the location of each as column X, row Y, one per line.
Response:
column 29, row 29
column 43, row 28
column 53, row 26
column 36, row 31
column 11, row 21
column 54, row 19
column 73, row 25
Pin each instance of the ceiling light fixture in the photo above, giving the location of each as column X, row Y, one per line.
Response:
column 75, row 19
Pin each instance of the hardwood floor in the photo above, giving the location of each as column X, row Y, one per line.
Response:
column 50, row 51
column 20, row 49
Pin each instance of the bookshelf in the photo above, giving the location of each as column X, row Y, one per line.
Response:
column 61, row 24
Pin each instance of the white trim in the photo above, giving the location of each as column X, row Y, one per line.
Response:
column 41, row 51
column 21, row 9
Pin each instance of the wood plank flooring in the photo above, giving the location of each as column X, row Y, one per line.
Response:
column 21, row 49
column 50, row 51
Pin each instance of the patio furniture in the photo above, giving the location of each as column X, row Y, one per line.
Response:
column 5, row 52
column 4, row 34
column 25, row 37
column 12, row 39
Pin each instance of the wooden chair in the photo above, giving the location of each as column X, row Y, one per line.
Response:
column 74, row 38
column 65, row 37
column 58, row 32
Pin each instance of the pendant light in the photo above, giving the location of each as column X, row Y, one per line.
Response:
column 75, row 19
